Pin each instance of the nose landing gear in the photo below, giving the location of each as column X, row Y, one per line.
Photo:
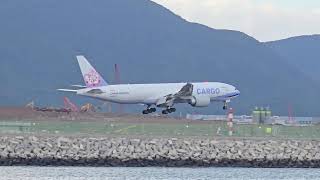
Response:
column 225, row 106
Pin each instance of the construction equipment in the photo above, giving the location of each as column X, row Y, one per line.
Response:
column 30, row 105
column 68, row 107
column 87, row 108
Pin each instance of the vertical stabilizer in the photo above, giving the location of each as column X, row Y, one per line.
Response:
column 91, row 77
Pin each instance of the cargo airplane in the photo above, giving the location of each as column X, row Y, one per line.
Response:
column 164, row 95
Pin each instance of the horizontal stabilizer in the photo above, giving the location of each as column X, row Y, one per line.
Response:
column 79, row 86
column 68, row 90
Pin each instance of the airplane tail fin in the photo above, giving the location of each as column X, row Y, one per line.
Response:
column 91, row 77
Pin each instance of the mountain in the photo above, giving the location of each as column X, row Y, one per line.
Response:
column 39, row 41
column 303, row 52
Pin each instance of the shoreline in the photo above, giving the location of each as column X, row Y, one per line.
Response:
column 157, row 152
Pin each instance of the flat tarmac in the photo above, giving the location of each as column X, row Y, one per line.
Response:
column 26, row 120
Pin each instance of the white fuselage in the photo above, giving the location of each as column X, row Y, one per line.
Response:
column 150, row 93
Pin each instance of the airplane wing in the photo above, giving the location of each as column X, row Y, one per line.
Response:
column 179, row 97
column 185, row 91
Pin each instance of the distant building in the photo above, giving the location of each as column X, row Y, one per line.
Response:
column 259, row 117
column 244, row 119
column 262, row 115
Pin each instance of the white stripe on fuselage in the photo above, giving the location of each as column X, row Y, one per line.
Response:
column 150, row 93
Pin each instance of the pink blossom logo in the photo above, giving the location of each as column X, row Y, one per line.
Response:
column 92, row 78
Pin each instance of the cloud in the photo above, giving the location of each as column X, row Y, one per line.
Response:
column 265, row 21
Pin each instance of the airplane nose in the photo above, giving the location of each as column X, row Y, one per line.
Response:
column 237, row 92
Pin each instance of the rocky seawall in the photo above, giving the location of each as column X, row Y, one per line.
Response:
column 172, row 152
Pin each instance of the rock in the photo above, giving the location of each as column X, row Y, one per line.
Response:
column 13, row 142
column 36, row 151
column 135, row 141
column 239, row 143
column 196, row 155
column 131, row 148
column 49, row 144
column 187, row 143
column 144, row 152
column 213, row 142
column 34, row 139
column 153, row 142
column 172, row 152
column 19, row 137
column 182, row 151
column 66, row 140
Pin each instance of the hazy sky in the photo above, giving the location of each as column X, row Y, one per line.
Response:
column 265, row 20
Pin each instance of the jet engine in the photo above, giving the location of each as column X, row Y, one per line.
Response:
column 199, row 101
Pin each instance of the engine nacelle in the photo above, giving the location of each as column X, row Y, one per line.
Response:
column 200, row 101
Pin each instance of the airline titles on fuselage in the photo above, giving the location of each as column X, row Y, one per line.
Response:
column 208, row 91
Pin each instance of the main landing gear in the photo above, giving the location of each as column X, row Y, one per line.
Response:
column 152, row 110
column 149, row 110
column 169, row 110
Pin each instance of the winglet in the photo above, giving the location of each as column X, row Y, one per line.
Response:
column 91, row 77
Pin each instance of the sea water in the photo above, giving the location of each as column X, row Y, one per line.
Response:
column 97, row 173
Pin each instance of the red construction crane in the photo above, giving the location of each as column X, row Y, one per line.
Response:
column 69, row 105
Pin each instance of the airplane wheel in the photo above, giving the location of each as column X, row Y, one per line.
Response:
column 145, row 112
column 165, row 112
column 151, row 110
